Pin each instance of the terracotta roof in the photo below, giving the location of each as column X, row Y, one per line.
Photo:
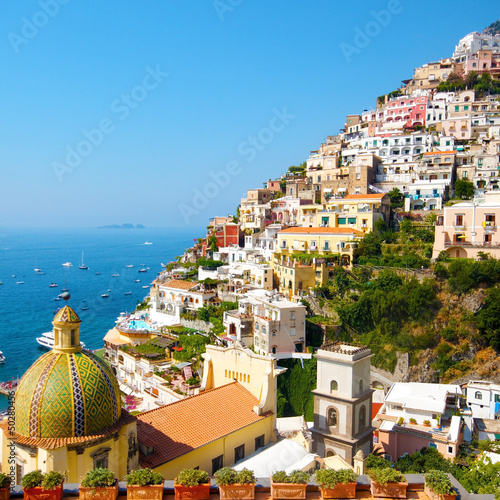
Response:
column 180, row 284
column 190, row 423
column 374, row 196
column 53, row 443
column 375, row 408
column 321, row 230
column 434, row 153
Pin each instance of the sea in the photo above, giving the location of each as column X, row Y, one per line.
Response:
column 28, row 303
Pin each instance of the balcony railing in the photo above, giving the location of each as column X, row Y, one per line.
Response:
column 470, row 244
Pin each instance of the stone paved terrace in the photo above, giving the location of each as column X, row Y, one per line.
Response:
column 262, row 490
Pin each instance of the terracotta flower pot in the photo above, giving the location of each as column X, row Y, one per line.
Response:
column 102, row 493
column 151, row 492
column 237, row 491
column 39, row 493
column 390, row 490
column 4, row 493
column 347, row 490
column 200, row 492
column 438, row 496
column 288, row 491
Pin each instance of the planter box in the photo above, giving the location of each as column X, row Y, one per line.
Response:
column 4, row 493
column 438, row 496
column 200, row 492
column 104, row 493
column 237, row 491
column 39, row 493
column 390, row 490
column 152, row 492
column 289, row 491
column 347, row 490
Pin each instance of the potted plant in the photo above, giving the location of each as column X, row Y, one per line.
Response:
column 4, row 486
column 99, row 483
column 289, row 486
column 233, row 484
column 438, row 486
column 387, row 483
column 144, row 483
column 337, row 483
column 192, row 484
column 47, row 486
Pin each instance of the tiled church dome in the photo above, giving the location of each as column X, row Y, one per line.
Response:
column 67, row 392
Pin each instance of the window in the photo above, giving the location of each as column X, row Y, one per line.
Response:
column 459, row 220
column 450, row 450
column 259, row 442
column 313, row 244
column 351, row 220
column 362, row 417
column 292, row 332
column 478, row 395
column 274, row 333
column 361, row 386
column 332, row 417
column 341, row 221
column 239, row 453
column 334, row 386
column 72, row 337
column 327, row 245
column 292, row 316
column 217, row 463
column 433, row 445
column 100, row 458
column 497, row 398
column 457, row 109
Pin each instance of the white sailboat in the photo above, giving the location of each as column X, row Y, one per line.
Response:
column 82, row 266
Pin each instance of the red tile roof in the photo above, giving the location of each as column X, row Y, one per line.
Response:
column 375, row 408
column 180, row 284
column 435, row 153
column 321, row 230
column 185, row 425
column 371, row 196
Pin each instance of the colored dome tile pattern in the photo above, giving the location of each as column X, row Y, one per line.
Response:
column 67, row 395
column 67, row 315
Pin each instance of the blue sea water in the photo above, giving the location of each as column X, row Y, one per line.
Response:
column 26, row 310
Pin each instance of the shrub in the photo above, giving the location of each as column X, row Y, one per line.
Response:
column 427, row 423
column 386, row 475
column 4, row 480
column 439, row 482
column 328, row 478
column 413, row 420
column 295, row 477
column 225, row 476
column 32, row 480
column 245, row 476
column 98, row 478
column 192, row 477
column 52, row 480
column 401, row 421
column 143, row 477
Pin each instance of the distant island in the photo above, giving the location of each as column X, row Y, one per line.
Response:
column 123, row 226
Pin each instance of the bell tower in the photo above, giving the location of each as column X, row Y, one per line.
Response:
column 66, row 329
column 343, row 401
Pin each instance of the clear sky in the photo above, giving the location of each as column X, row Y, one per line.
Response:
column 164, row 112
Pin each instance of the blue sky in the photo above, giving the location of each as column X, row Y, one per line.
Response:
column 179, row 106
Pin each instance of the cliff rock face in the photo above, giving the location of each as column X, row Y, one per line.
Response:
column 492, row 29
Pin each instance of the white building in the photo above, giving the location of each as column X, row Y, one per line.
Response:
column 483, row 398
column 474, row 42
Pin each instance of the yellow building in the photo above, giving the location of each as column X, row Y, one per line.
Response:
column 68, row 414
column 357, row 211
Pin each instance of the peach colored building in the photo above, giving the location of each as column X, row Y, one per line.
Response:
column 469, row 227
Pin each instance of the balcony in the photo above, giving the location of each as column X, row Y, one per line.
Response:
column 469, row 244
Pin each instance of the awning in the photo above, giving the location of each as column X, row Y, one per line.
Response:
column 342, row 190
column 327, row 190
column 387, row 425
column 113, row 337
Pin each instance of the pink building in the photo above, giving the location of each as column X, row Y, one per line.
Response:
column 409, row 111
column 469, row 227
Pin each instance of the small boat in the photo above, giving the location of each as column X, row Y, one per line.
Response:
column 142, row 271
column 105, row 295
column 147, row 243
column 142, row 265
column 53, row 285
column 137, row 281
column 85, row 308
column 115, row 275
column 127, row 293
column 40, row 273
column 145, row 286
column 98, row 273
column 13, row 275
column 20, row 282
column 65, row 289
column 148, row 268
column 163, row 265
column 2, row 357
column 82, row 266
column 57, row 298
column 130, row 265
column 68, row 264
column 37, row 270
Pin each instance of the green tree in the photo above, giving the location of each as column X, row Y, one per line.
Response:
column 212, row 243
column 471, row 79
column 370, row 246
column 464, row 189
column 397, row 198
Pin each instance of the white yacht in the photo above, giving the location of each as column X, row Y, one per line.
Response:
column 47, row 340
column 2, row 357
column 68, row 264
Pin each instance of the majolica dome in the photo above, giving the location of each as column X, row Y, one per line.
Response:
column 67, row 392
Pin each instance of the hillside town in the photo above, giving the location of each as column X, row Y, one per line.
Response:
column 203, row 363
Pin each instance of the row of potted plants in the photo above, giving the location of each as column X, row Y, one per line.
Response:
column 194, row 484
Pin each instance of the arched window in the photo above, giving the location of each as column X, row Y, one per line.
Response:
column 332, row 417
column 361, row 386
column 478, row 395
column 330, row 453
column 334, row 386
column 362, row 417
